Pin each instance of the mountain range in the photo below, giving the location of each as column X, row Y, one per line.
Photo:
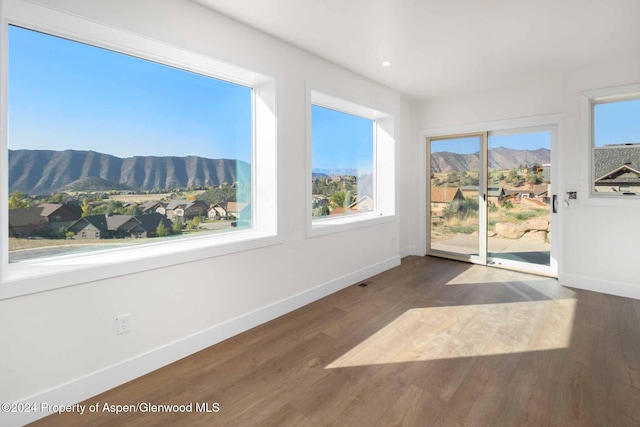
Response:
column 500, row 158
column 49, row 171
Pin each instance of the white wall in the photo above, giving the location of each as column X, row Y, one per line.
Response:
column 52, row 338
column 600, row 246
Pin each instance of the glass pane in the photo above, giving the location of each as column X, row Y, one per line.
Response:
column 454, row 168
column 342, row 163
column 519, row 197
column 616, row 152
column 107, row 150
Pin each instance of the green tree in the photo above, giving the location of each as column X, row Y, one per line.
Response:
column 86, row 207
column 338, row 198
column 532, row 179
column 176, row 226
column 453, row 177
column 193, row 224
column 162, row 230
column 56, row 198
column 18, row 200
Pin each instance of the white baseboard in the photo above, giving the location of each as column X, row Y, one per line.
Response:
column 612, row 288
column 112, row 376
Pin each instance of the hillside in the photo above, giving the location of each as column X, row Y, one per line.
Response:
column 48, row 171
column 499, row 158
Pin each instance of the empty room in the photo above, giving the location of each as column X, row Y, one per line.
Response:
column 319, row 213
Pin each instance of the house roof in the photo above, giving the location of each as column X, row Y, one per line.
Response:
column 337, row 211
column 362, row 200
column 623, row 175
column 49, row 208
column 150, row 205
column 540, row 189
column 25, row 216
column 236, row 206
column 445, row 194
column 185, row 204
column 491, row 191
column 611, row 163
column 151, row 221
column 98, row 221
column 114, row 222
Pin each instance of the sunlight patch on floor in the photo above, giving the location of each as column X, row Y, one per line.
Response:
column 434, row 333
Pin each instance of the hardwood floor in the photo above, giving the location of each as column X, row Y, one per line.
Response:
column 430, row 343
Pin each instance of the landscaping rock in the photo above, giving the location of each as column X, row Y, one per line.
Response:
column 491, row 233
column 510, row 231
column 534, row 236
column 538, row 224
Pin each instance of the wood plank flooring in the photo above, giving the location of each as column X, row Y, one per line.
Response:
column 430, row 343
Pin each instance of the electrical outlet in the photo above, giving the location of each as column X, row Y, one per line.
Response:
column 123, row 324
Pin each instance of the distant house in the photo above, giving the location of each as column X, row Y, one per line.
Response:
column 186, row 209
column 118, row 226
column 57, row 212
column 90, row 227
column 441, row 197
column 149, row 207
column 539, row 192
column 216, row 212
column 363, row 204
column 234, row 208
column 41, row 219
column 27, row 222
column 617, row 168
column 125, row 226
column 150, row 222
column 471, row 192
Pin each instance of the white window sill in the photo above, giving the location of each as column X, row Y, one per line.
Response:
column 320, row 227
column 45, row 274
column 609, row 201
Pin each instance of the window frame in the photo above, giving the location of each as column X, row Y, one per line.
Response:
column 26, row 277
column 588, row 101
column 383, row 184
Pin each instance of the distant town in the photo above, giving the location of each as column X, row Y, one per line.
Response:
column 99, row 216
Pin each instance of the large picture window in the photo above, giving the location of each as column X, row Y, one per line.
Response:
column 108, row 150
column 119, row 149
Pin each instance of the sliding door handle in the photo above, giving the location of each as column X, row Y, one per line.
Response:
column 554, row 203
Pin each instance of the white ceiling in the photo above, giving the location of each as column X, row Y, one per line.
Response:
column 443, row 47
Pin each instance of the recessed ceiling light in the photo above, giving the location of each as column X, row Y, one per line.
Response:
column 386, row 64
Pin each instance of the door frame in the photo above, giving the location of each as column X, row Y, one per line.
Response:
column 550, row 120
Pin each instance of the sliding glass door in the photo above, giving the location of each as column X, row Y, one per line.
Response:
column 490, row 198
column 456, row 175
column 519, row 199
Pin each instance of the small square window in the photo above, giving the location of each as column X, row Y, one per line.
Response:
column 616, row 146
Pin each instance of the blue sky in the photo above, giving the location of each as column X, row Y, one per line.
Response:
column 341, row 141
column 617, row 123
column 66, row 95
